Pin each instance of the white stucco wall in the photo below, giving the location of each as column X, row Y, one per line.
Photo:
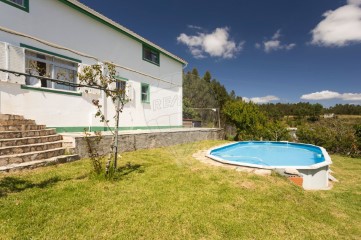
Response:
column 57, row 23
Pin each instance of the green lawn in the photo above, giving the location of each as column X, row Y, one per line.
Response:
column 166, row 194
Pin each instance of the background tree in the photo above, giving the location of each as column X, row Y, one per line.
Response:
column 207, row 77
column 276, row 131
column 247, row 118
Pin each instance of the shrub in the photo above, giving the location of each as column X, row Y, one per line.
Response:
column 333, row 135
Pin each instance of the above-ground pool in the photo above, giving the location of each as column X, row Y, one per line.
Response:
column 310, row 161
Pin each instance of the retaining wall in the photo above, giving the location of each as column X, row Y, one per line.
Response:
column 134, row 140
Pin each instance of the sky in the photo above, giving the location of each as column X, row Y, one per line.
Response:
column 266, row 51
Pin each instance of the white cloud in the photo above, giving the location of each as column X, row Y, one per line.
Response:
column 275, row 44
column 323, row 95
column 264, row 99
column 277, row 34
column 351, row 96
column 354, row 2
column 340, row 27
column 215, row 44
column 194, row 27
column 326, row 95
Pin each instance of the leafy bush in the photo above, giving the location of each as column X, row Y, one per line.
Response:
column 334, row 135
column 276, row 131
column 246, row 117
column 251, row 123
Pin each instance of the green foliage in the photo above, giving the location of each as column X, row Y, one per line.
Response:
column 198, row 92
column 299, row 110
column 195, row 73
column 198, row 99
column 201, row 93
column 207, row 77
column 276, row 131
column 247, row 118
column 188, row 111
column 358, row 135
column 345, row 109
column 334, row 135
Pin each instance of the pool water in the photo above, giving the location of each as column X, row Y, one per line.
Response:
column 270, row 154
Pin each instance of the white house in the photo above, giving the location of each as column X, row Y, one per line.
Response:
column 57, row 38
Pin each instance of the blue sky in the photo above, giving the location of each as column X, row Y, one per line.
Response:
column 267, row 51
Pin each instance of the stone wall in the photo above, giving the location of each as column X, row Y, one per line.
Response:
column 145, row 140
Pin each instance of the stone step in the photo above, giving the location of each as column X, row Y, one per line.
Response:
column 10, row 117
column 31, row 156
column 17, row 122
column 29, row 140
column 39, row 163
column 30, row 133
column 22, row 127
column 29, row 148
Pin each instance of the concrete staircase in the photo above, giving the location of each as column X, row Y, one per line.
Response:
column 23, row 144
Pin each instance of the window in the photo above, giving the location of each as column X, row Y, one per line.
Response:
column 145, row 93
column 150, row 55
column 50, row 67
column 18, row 2
column 121, row 84
column 21, row 4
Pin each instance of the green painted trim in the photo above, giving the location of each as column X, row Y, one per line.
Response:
column 79, row 9
column 152, row 49
column 50, row 53
column 99, row 128
column 24, row 8
column 50, row 90
column 148, row 92
column 121, row 78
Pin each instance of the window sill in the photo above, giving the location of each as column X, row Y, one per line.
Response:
column 51, row 90
column 146, row 102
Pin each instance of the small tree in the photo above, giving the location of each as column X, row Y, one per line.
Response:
column 276, row 131
column 247, row 118
column 102, row 77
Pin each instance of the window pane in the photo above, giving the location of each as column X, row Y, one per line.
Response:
column 64, row 75
column 151, row 55
column 19, row 2
column 63, row 62
column 121, row 85
column 38, row 68
column 51, row 67
column 145, row 93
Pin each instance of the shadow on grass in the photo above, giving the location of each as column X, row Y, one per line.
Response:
column 13, row 185
column 127, row 169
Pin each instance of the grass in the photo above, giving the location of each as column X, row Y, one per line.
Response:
column 166, row 194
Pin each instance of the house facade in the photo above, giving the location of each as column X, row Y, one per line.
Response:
column 56, row 39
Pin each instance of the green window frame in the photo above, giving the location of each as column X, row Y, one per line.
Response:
column 150, row 55
column 53, row 64
column 24, row 6
column 48, row 52
column 145, row 93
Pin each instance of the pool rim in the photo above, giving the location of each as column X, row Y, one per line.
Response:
column 313, row 166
